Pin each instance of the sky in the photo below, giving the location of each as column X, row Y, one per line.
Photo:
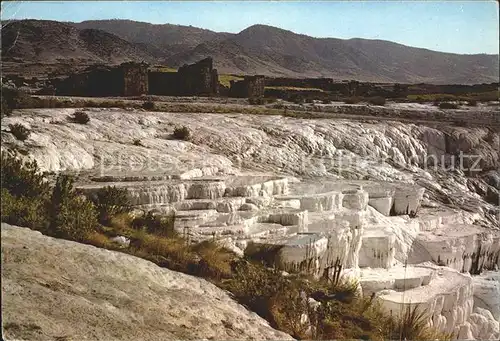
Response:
column 464, row 27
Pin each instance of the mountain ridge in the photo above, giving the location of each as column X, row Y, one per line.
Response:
column 258, row 49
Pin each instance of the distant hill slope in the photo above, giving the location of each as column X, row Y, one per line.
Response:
column 162, row 40
column 52, row 41
column 273, row 51
column 258, row 49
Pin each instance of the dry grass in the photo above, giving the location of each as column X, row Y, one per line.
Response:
column 292, row 88
column 99, row 239
column 225, row 80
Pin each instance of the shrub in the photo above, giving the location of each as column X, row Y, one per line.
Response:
column 309, row 100
column 182, row 133
column 327, row 101
column 156, row 224
column 472, row 103
column 24, row 211
column 19, row 131
column 138, row 143
column 24, row 193
column 297, row 99
column 378, row 100
column 80, row 117
column 256, row 101
column 352, row 100
column 447, row 105
column 71, row 215
column 149, row 105
column 15, row 99
column 23, row 179
column 109, row 202
column 6, row 110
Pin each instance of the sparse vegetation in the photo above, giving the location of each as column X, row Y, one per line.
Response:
column 256, row 101
column 297, row 99
column 138, row 143
column 15, row 99
column 478, row 96
column 149, row 105
column 182, row 133
column 447, row 105
column 19, row 131
column 340, row 312
column 376, row 100
column 80, row 117
column 225, row 80
column 71, row 215
column 352, row 100
column 109, row 202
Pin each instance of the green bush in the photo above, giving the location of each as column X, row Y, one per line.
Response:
column 447, row 105
column 377, row 100
column 23, row 179
column 182, row 133
column 156, row 224
column 19, row 131
column 24, row 211
column 109, row 202
column 149, row 105
column 71, row 215
column 256, row 101
column 80, row 117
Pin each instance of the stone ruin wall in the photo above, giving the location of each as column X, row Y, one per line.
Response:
column 249, row 87
column 135, row 77
column 195, row 79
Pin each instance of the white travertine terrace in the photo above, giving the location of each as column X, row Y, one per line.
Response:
column 313, row 191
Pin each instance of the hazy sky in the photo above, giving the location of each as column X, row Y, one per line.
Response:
column 451, row 26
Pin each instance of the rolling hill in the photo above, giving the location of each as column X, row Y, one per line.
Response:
column 259, row 49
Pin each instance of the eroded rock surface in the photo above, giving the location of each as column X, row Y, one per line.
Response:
column 53, row 288
column 377, row 198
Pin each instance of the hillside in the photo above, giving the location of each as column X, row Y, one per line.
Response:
column 161, row 40
column 258, row 49
column 272, row 51
column 51, row 41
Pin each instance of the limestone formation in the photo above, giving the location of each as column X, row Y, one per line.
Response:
column 321, row 194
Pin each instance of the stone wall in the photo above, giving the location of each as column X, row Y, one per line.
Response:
column 127, row 79
column 135, row 76
column 250, row 87
column 195, row 79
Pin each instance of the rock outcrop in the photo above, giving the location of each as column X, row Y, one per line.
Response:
column 55, row 289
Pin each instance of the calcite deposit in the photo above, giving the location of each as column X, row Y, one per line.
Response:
column 319, row 193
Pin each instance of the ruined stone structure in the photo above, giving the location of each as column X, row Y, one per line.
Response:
column 127, row 79
column 249, row 86
column 194, row 79
column 135, row 78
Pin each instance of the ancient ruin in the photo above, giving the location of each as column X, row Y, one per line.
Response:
column 127, row 79
column 198, row 79
column 249, row 87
